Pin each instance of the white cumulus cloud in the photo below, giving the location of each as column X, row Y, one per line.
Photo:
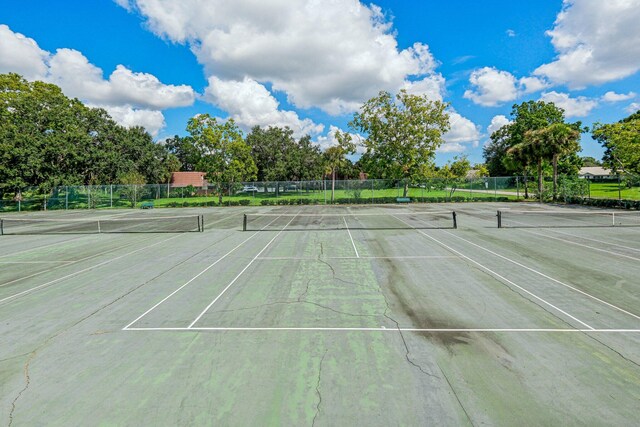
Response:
column 617, row 97
column 131, row 98
column 496, row 123
column 22, row 55
column 250, row 104
column 333, row 55
column 597, row 42
column 633, row 107
column 128, row 116
column 463, row 133
column 573, row 107
column 492, row 87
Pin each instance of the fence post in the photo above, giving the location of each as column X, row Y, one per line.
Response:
column 66, row 197
column 110, row 195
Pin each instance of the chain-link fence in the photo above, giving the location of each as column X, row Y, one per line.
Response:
column 320, row 192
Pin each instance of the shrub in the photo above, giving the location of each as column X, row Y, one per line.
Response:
column 244, row 202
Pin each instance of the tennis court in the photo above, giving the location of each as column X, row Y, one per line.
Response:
column 307, row 315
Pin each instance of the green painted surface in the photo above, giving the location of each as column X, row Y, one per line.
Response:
column 66, row 360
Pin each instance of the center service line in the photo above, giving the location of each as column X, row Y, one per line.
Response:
column 196, row 276
column 240, row 274
column 351, row 237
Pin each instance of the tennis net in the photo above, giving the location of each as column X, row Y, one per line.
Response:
column 567, row 219
column 349, row 221
column 167, row 224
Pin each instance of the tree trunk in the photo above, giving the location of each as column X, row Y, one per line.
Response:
column 526, row 189
column 220, row 194
column 540, row 179
column 555, row 176
column 333, row 184
column 406, row 188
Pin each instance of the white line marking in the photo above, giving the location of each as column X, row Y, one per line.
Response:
column 351, row 237
column 46, row 246
column 192, row 279
column 240, row 274
column 382, row 329
column 617, row 254
column 84, row 270
column 37, row 262
column 69, row 263
column 499, row 275
column 287, row 258
column 547, row 277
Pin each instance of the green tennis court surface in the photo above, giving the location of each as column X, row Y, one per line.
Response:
column 321, row 316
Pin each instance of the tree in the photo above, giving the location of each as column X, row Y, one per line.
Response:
column 553, row 141
column 402, row 134
column 184, row 149
column 453, row 172
column 131, row 180
column 272, row 150
column 527, row 116
column 306, row 161
column 589, row 161
column 335, row 156
column 621, row 141
column 226, row 157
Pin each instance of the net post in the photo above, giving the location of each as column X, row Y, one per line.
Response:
column 455, row 220
column 499, row 219
column 244, row 222
column 1, row 227
column 201, row 223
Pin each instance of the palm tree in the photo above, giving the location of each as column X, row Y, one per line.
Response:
column 520, row 155
column 550, row 143
column 335, row 157
column 560, row 140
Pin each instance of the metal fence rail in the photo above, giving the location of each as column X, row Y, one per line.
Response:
column 324, row 192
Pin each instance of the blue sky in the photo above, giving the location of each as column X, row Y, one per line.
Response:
column 310, row 64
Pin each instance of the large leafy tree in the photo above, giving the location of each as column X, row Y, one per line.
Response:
column 185, row 150
column 272, row 150
column 621, row 142
column 527, row 116
column 47, row 139
column 306, row 161
column 403, row 133
column 225, row 155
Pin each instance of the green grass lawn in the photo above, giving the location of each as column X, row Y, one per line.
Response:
column 607, row 190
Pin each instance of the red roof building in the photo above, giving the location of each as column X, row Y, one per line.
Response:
column 183, row 179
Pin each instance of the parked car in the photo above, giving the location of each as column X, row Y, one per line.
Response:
column 249, row 189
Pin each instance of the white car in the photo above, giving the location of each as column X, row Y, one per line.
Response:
column 249, row 189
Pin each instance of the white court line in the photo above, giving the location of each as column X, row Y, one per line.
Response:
column 597, row 240
column 287, row 258
column 45, row 246
column 240, row 274
column 356, row 329
column 498, row 275
column 617, row 254
column 19, row 279
column 547, row 277
column 195, row 277
column 84, row 270
column 37, row 262
column 351, row 237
